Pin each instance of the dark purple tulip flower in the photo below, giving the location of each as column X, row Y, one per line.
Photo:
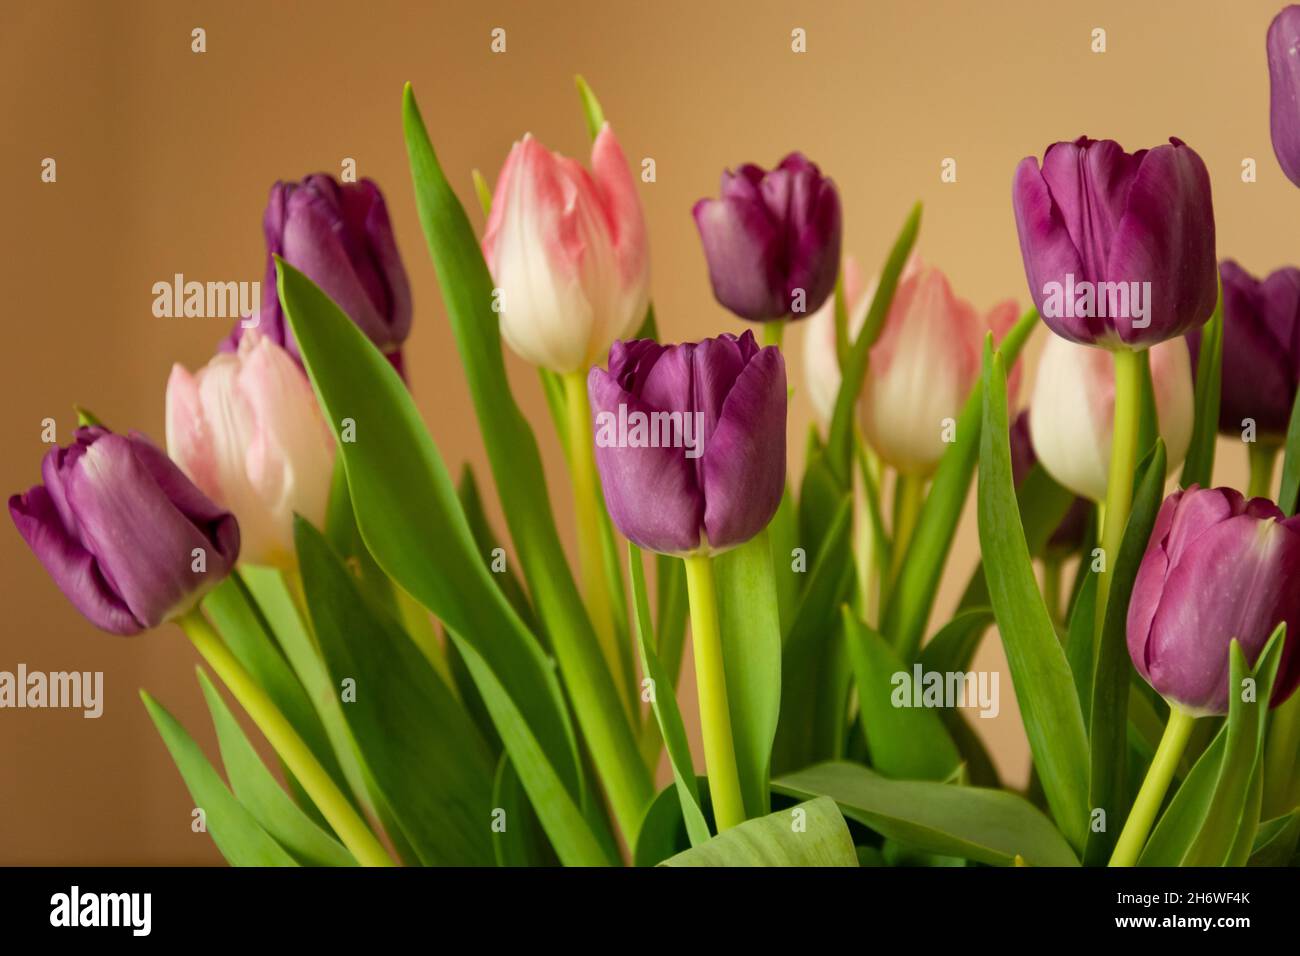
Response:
column 1284, row 89
column 1217, row 567
column 690, row 441
column 1261, row 349
column 1118, row 247
column 772, row 240
column 340, row 237
column 1069, row 534
column 116, row 524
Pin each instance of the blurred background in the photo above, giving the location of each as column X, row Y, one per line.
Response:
column 165, row 156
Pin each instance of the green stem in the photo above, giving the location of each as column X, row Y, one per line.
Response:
column 909, row 495
column 1262, row 456
column 1123, row 463
column 711, row 684
column 333, row 805
column 587, row 499
column 774, row 332
column 1152, row 795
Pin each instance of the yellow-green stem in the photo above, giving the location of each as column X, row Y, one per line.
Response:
column 587, row 499
column 1123, row 463
column 1138, row 825
column 1262, row 455
column 774, row 332
column 711, row 684
column 318, row 784
column 909, row 496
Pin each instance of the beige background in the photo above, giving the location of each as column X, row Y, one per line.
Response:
column 165, row 157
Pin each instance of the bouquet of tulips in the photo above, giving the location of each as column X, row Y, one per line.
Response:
column 439, row 691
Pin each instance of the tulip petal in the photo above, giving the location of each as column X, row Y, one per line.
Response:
column 145, row 544
column 651, row 493
column 1166, row 238
column 72, row 567
column 1048, row 251
column 743, row 250
column 1283, row 45
column 744, row 458
column 1237, row 582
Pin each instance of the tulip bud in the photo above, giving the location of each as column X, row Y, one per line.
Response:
column 923, row 367
column 1284, row 89
column 1261, row 350
column 125, row 535
column 339, row 236
column 1070, row 533
column 772, row 240
column 568, row 253
column 690, row 441
column 1118, row 247
column 1217, row 567
column 247, row 430
column 1072, row 409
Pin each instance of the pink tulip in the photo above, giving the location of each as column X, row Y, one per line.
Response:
column 923, row 368
column 568, row 253
column 248, row 432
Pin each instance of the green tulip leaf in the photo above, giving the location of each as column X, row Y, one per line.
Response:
column 427, row 550
column 423, row 752
column 815, row 670
column 810, row 834
column 257, row 790
column 1290, row 489
column 520, row 840
column 1044, row 687
column 1210, row 815
column 1043, row 505
column 252, row 637
column 234, row 830
column 1108, row 712
column 905, row 742
column 663, row 701
column 986, row 826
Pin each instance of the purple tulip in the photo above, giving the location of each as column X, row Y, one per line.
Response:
column 1118, row 247
column 339, row 236
column 772, row 240
column 1217, row 567
column 1283, row 46
column 690, row 441
column 1069, row 534
column 1261, row 349
column 117, row 525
